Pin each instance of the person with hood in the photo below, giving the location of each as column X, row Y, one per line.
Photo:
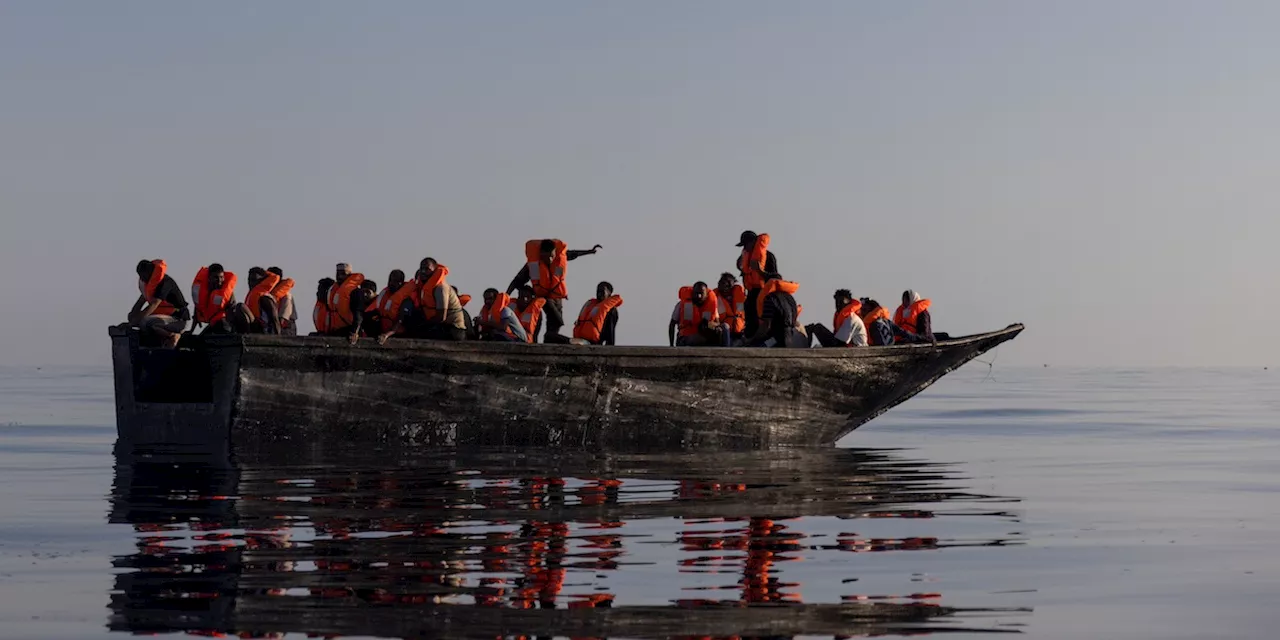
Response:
column 913, row 321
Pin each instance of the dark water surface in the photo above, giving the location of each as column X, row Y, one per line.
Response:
column 1042, row 502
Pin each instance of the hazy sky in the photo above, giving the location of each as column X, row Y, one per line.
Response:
column 1105, row 172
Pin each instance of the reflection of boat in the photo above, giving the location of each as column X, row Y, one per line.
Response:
column 247, row 389
column 471, row 543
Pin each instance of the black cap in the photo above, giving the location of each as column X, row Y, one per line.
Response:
column 747, row 236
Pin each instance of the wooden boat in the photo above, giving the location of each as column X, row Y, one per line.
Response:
column 241, row 390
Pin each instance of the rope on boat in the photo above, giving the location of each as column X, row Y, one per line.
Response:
column 991, row 366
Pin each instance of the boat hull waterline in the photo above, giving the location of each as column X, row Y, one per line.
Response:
column 245, row 389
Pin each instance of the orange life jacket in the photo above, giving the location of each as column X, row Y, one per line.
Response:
column 339, row 302
column 547, row 278
column 427, row 292
column 872, row 316
column 152, row 285
column 253, row 301
column 731, row 309
column 278, row 293
column 211, row 303
column 847, row 312
column 531, row 316
column 751, row 262
column 388, row 304
column 691, row 315
column 774, row 286
column 591, row 319
column 321, row 317
column 905, row 317
column 463, row 299
column 493, row 313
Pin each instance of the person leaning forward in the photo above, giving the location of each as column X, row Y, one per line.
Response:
column 697, row 319
column 546, row 264
column 160, row 312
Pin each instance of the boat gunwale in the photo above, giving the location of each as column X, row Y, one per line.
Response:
column 447, row 348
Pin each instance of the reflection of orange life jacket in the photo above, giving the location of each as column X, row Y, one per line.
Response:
column 751, row 262
column 388, row 304
column 211, row 304
column 321, row 317
column 905, row 317
column 731, row 310
column 253, row 301
column 847, row 312
column 691, row 315
column 547, row 279
column 492, row 313
column 773, row 286
column 152, row 285
column 531, row 316
column 427, row 293
column 339, row 302
column 591, row 319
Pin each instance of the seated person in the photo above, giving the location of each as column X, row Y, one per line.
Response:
column 849, row 329
column 160, row 312
column 778, row 312
column 498, row 322
column 598, row 320
column 879, row 326
column 213, row 294
column 697, row 319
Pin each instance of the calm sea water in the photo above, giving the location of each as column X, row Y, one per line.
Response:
column 1043, row 502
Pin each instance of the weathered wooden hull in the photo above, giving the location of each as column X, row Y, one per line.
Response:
column 244, row 390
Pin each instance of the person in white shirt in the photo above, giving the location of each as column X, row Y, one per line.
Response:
column 849, row 328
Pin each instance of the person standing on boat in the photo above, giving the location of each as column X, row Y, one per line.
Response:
column 528, row 308
column 546, row 264
column 878, row 323
column 777, row 311
column 598, row 321
column 213, row 294
column 285, row 305
column 913, row 320
column 757, row 265
column 697, row 319
column 849, row 329
column 346, row 302
column 731, row 301
column 440, row 315
column 498, row 322
column 160, row 311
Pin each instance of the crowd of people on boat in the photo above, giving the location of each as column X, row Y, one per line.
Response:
column 758, row 311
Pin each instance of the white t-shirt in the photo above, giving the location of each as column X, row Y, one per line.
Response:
column 853, row 332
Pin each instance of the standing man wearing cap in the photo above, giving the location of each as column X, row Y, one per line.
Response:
column 757, row 265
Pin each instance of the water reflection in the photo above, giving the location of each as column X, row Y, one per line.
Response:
column 500, row 543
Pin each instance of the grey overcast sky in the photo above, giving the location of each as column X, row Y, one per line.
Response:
column 1105, row 172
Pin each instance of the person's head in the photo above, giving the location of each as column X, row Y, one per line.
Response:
column 526, row 296
column 727, row 280
column 370, row 286
column 341, row 272
column 276, row 270
column 217, row 276
column 699, row 292
column 428, row 266
column 489, row 296
column 322, row 288
column 747, row 240
column 869, row 305
column 395, row 279
column 547, row 249
column 603, row 290
column 256, row 275
column 843, row 298
column 908, row 297
column 145, row 269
